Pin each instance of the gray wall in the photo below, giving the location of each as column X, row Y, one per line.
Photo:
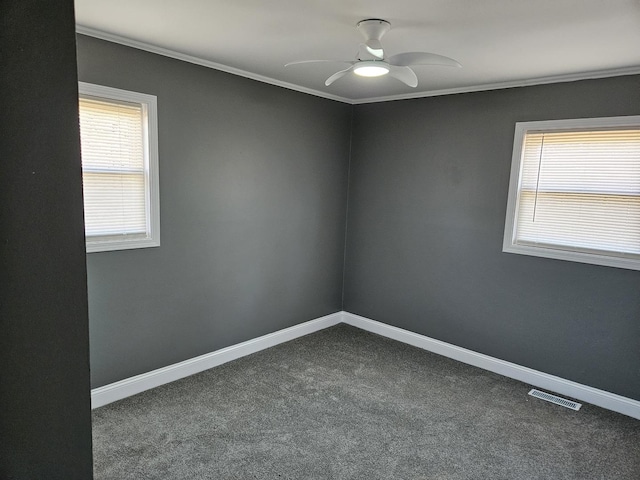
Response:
column 253, row 182
column 427, row 201
column 253, row 195
column 45, row 418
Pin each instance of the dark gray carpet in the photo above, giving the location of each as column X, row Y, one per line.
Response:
column 346, row 404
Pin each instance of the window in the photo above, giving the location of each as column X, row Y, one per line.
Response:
column 575, row 191
column 118, row 133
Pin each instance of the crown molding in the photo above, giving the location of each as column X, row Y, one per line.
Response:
column 615, row 72
column 147, row 47
column 572, row 77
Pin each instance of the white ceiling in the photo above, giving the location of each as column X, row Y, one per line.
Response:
column 498, row 42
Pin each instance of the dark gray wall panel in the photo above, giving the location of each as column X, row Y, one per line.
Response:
column 427, row 201
column 45, row 418
column 253, row 182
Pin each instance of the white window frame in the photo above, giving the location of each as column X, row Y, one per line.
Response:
column 152, row 200
column 629, row 261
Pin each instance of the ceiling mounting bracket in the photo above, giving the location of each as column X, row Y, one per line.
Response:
column 373, row 28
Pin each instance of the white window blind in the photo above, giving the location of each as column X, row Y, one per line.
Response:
column 113, row 168
column 117, row 170
column 578, row 191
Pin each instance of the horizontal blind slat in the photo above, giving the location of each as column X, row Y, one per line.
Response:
column 112, row 134
column 113, row 159
column 580, row 190
column 114, row 203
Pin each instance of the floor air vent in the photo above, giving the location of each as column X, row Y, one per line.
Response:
column 563, row 402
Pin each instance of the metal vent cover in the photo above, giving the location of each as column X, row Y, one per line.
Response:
column 563, row 402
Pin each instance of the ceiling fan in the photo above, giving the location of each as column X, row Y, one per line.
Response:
column 372, row 62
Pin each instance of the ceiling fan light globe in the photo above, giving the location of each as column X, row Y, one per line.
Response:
column 371, row 69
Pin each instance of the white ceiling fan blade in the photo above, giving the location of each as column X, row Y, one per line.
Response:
column 404, row 74
column 316, row 61
column 421, row 58
column 337, row 75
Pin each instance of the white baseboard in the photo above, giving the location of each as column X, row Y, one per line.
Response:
column 133, row 385
column 601, row 398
